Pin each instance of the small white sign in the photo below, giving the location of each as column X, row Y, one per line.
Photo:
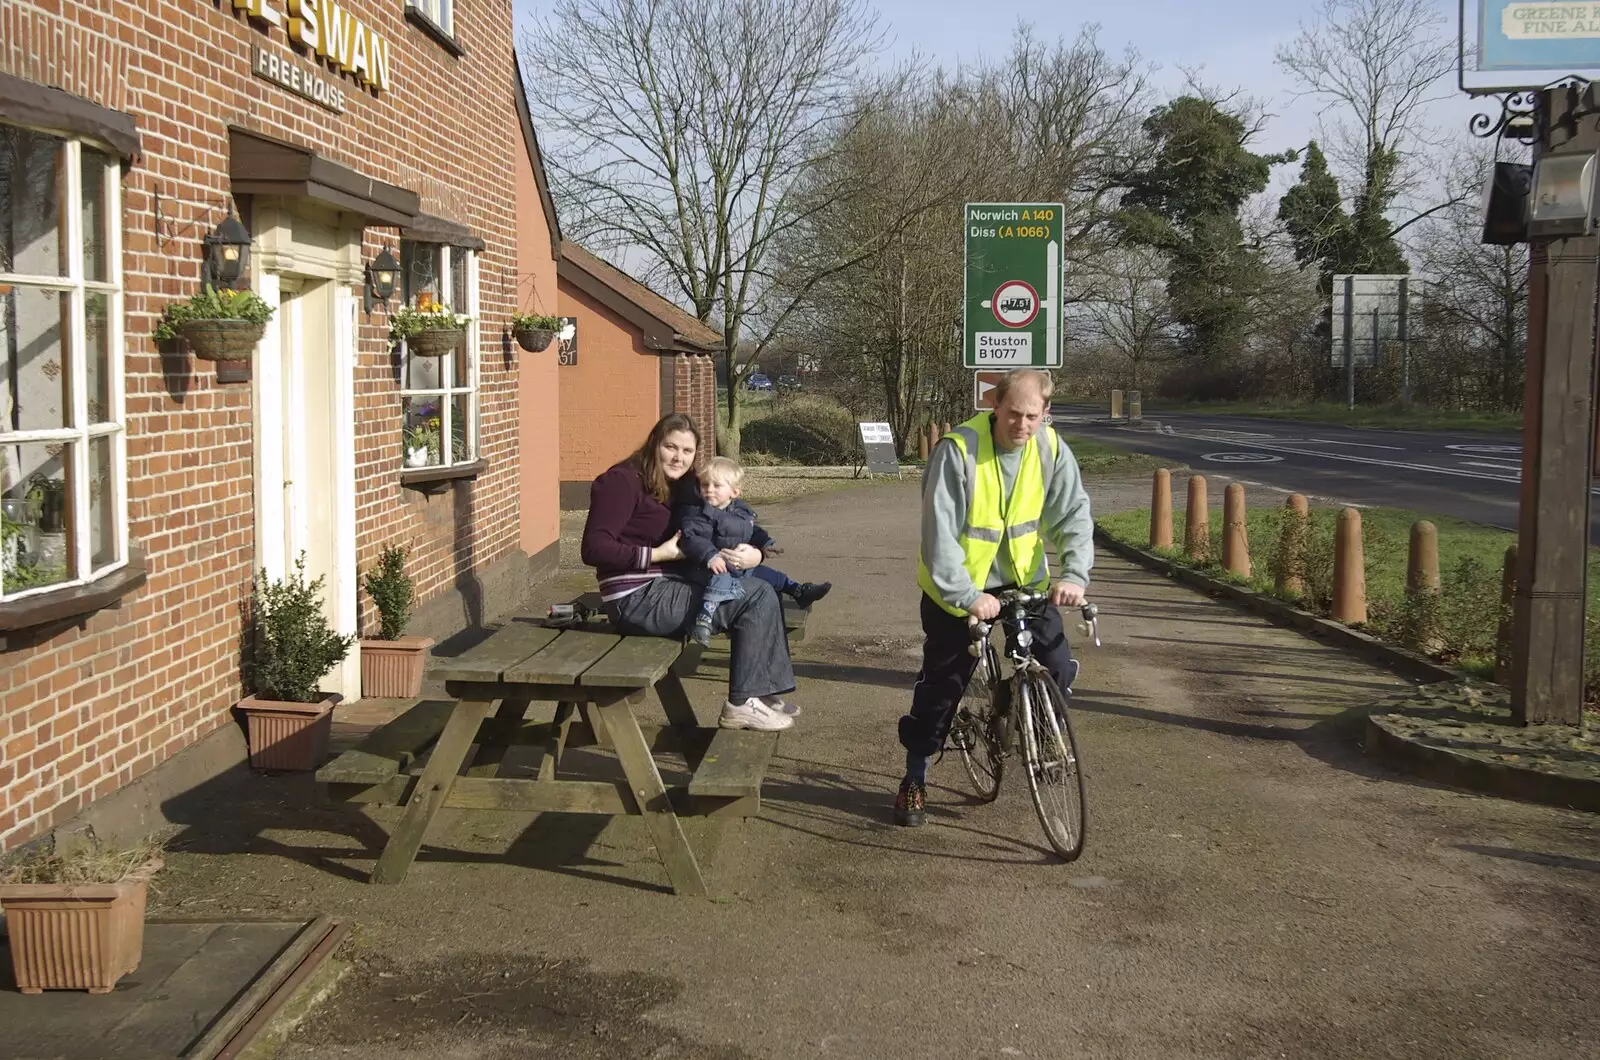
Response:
column 1003, row 348
column 877, row 433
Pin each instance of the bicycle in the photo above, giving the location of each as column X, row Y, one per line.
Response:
column 984, row 729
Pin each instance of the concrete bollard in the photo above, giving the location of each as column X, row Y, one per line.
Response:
column 933, row 435
column 1135, row 406
column 1349, row 571
column 1197, row 521
column 1235, row 532
column 923, row 446
column 1291, row 579
column 1502, row 636
column 1422, row 584
column 1161, row 510
column 1116, row 404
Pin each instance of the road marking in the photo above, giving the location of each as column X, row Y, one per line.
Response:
column 1364, row 445
column 1242, row 458
column 1497, row 467
column 1485, row 449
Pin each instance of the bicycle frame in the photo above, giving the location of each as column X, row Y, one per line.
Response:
column 1017, row 607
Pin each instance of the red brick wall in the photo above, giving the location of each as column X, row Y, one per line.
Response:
column 694, row 382
column 90, row 710
column 610, row 399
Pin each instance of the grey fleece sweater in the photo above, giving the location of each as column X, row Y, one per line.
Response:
column 947, row 495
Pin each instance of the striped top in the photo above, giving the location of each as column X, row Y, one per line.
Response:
column 625, row 523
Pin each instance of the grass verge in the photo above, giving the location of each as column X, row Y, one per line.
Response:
column 1098, row 458
column 1456, row 626
column 1416, row 419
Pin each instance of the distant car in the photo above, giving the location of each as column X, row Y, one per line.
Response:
column 758, row 382
column 788, row 382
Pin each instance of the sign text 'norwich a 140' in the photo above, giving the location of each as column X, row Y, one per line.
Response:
column 1013, row 285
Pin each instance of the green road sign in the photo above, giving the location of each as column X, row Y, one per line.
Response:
column 1013, row 285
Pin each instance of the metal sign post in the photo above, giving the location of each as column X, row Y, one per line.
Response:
column 1012, row 316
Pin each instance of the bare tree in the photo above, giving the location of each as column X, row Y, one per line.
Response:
column 1131, row 315
column 678, row 130
column 1377, row 66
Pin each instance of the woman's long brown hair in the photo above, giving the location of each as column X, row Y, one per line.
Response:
column 646, row 461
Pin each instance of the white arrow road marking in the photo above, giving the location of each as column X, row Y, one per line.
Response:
column 1497, row 467
column 1363, row 445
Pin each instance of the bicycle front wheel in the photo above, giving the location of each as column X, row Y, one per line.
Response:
column 1055, row 771
column 974, row 731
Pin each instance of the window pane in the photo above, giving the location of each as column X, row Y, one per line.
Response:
column 460, row 447
column 425, row 373
column 34, row 385
column 93, row 165
column 420, row 264
column 424, row 445
column 35, row 499
column 458, row 279
column 102, row 502
column 30, row 203
column 97, row 337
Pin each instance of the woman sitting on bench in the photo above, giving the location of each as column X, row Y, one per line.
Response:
column 644, row 591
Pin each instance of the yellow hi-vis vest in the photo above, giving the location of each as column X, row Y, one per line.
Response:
column 991, row 521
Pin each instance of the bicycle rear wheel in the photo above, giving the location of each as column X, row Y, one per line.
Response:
column 1055, row 771
column 973, row 730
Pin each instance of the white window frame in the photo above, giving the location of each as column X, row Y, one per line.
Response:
column 75, row 350
column 447, row 455
column 440, row 12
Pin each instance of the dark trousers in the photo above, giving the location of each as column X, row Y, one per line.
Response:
column 775, row 578
column 947, row 666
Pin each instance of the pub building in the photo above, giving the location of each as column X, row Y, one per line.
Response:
column 338, row 159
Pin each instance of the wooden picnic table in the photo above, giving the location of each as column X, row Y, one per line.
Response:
column 597, row 679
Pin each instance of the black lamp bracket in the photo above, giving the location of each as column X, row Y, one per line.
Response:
column 167, row 225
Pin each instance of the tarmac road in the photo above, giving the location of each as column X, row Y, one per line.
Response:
column 1471, row 475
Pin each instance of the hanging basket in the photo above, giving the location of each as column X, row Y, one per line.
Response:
column 534, row 339
column 222, row 340
column 435, row 342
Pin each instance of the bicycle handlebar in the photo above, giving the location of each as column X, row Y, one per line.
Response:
column 1088, row 625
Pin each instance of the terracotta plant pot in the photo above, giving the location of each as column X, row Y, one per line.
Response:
column 288, row 737
column 434, row 343
column 534, row 339
column 392, row 669
column 222, row 340
column 76, row 936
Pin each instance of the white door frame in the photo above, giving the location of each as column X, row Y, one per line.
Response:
column 331, row 253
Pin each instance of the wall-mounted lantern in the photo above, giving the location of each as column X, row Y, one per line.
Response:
column 1562, row 203
column 381, row 274
column 227, row 253
column 1505, row 204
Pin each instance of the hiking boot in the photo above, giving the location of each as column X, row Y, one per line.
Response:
column 910, row 804
column 807, row 593
column 753, row 714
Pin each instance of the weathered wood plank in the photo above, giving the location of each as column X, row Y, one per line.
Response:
column 637, row 662
column 543, row 796
column 675, row 701
column 563, row 659
column 543, row 692
column 597, row 726
column 390, row 748
column 508, row 645
column 735, row 764
column 431, row 791
column 645, row 782
column 392, row 792
column 556, row 745
column 494, row 736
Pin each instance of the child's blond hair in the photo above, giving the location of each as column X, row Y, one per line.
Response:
column 725, row 470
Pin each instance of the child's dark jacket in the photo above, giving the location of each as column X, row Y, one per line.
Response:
column 707, row 528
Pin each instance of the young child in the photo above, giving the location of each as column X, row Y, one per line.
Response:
column 722, row 521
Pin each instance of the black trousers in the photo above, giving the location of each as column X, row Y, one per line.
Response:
column 947, row 666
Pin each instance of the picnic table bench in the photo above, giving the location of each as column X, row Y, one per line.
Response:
column 596, row 678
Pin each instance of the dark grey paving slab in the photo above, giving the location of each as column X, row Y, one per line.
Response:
column 190, row 974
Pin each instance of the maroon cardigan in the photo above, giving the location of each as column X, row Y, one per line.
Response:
column 625, row 523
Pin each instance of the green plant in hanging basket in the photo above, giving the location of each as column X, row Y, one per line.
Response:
column 429, row 330
column 218, row 325
column 534, row 331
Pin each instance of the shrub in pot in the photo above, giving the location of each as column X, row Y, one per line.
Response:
column 534, row 331
column 217, row 325
column 76, row 920
column 430, row 329
column 391, row 663
column 294, row 648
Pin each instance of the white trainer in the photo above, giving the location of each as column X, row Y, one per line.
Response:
column 753, row 714
column 781, row 705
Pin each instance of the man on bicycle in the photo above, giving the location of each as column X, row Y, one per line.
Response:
column 995, row 488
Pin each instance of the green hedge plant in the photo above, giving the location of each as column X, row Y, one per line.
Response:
column 295, row 647
column 392, row 592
